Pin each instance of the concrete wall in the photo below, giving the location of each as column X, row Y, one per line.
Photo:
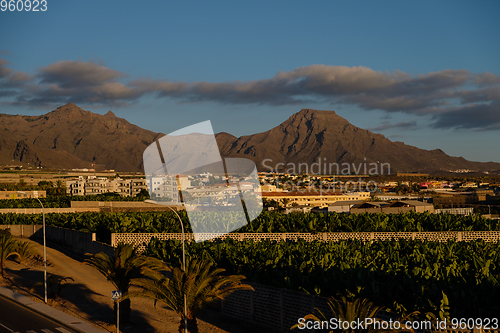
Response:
column 122, row 206
column 20, row 230
column 47, row 210
column 96, row 207
column 85, row 204
column 397, row 210
column 339, row 209
column 366, row 210
column 422, row 209
column 142, row 240
column 455, row 200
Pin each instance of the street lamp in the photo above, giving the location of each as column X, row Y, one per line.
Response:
column 183, row 257
column 44, row 248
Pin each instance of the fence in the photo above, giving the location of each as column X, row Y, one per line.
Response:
column 275, row 308
column 79, row 242
column 279, row 309
column 142, row 240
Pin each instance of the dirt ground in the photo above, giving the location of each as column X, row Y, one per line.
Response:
column 88, row 296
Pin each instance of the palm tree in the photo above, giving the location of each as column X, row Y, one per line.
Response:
column 285, row 202
column 201, row 283
column 25, row 251
column 126, row 264
column 349, row 311
column 8, row 247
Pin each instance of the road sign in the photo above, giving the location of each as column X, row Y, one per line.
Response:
column 116, row 295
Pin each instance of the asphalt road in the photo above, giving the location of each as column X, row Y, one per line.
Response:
column 16, row 318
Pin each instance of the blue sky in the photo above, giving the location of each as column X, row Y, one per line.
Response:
column 425, row 73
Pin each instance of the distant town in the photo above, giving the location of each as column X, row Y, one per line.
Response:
column 457, row 194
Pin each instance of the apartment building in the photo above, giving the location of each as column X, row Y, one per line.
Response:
column 137, row 185
column 92, row 185
column 164, row 188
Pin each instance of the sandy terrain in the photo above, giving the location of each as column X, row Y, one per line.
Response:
column 89, row 297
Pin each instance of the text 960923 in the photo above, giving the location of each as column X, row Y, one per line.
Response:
column 23, row 5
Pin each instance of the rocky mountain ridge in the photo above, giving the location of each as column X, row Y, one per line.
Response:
column 70, row 137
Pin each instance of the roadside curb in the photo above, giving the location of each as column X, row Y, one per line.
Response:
column 77, row 324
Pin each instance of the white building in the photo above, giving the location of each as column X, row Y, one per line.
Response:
column 98, row 185
column 164, row 188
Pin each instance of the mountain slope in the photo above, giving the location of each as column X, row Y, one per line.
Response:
column 312, row 136
column 70, row 137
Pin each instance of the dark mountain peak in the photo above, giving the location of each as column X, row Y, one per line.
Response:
column 314, row 121
column 70, row 137
column 309, row 135
column 225, row 135
column 70, row 107
column 110, row 114
column 316, row 112
column 68, row 110
column 320, row 116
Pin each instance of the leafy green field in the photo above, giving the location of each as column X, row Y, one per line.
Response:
column 400, row 275
column 103, row 223
column 65, row 201
column 155, row 222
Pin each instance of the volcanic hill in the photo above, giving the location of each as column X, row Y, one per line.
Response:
column 70, row 137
